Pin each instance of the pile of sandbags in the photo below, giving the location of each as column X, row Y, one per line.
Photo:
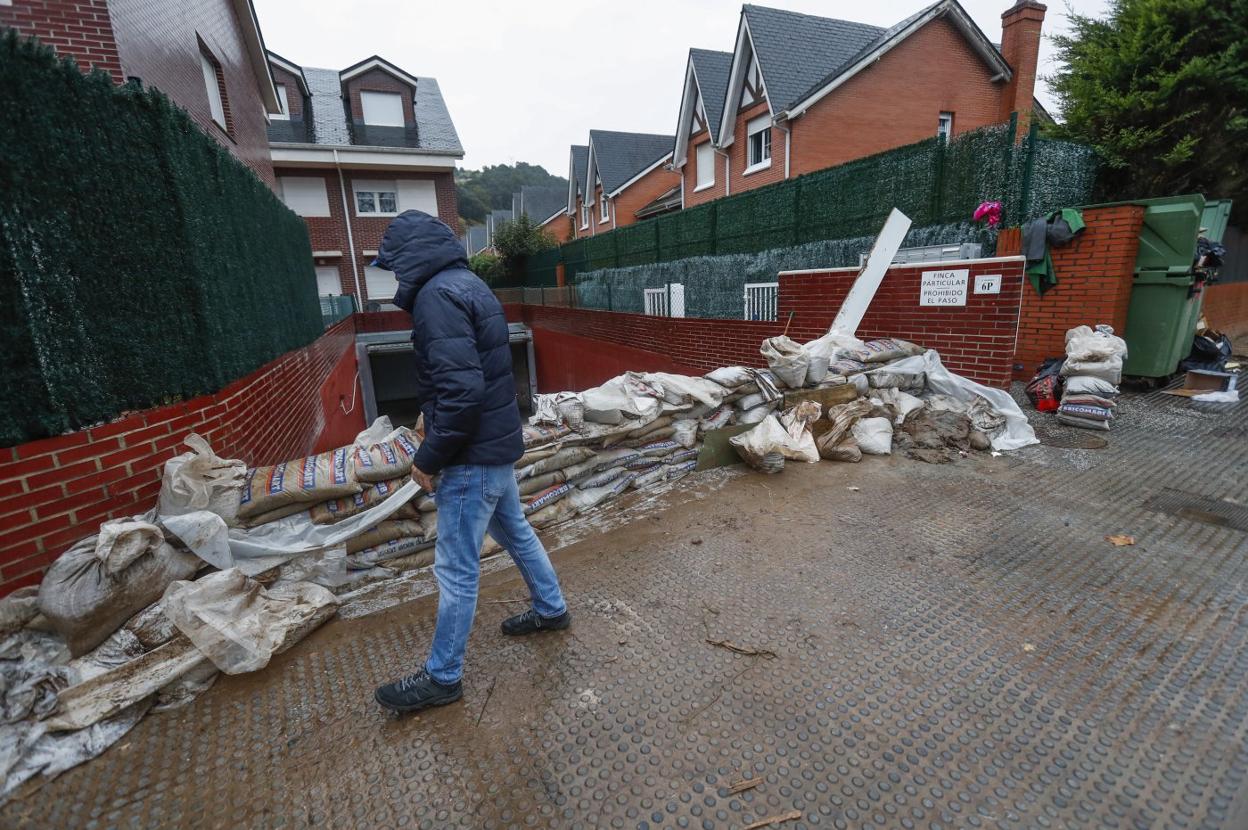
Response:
column 1091, row 374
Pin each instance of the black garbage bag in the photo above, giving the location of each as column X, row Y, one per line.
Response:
column 1045, row 389
column 1210, row 351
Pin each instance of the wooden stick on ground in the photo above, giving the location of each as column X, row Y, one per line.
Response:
column 767, row 822
column 747, row 784
column 731, row 646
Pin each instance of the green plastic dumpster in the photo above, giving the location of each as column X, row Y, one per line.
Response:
column 1166, row 294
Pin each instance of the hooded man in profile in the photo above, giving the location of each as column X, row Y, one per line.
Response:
column 473, row 438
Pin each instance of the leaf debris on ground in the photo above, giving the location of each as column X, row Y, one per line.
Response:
column 1120, row 540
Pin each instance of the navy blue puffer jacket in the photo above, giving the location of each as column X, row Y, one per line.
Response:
column 463, row 360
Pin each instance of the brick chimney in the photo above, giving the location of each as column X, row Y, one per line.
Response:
column 1020, row 45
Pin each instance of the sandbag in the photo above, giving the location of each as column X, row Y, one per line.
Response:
column 658, row 448
column 817, row 370
column 730, row 377
column 650, row 437
column 104, row 580
column 681, row 456
column 751, row 401
column 533, row 456
column 847, row 450
column 304, row 480
column 273, row 515
column 796, row 422
column 874, row 435
column 375, row 493
column 753, row 416
column 385, row 532
column 1085, row 345
column 591, row 497
column 238, row 624
column 552, row 513
column 536, row 435
column 717, row 419
column 601, row 460
column 1108, row 369
column 685, row 433
column 201, row 480
column 903, row 404
column 847, row 366
column 787, row 360
column 546, row 497
column 602, row 477
column 887, row 349
column 1082, row 423
column 536, row 484
column 564, row 458
column 388, row 551
column 842, row 418
column 762, row 445
column 626, row 396
column 387, row 459
column 1089, row 385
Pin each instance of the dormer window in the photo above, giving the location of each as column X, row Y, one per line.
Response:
column 382, row 109
column 284, row 102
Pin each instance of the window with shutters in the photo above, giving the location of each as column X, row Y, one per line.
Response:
column 705, row 159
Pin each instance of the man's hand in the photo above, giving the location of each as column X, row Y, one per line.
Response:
column 423, row 479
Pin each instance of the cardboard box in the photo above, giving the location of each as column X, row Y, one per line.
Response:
column 1200, row 381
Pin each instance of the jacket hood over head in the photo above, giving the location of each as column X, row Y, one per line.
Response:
column 415, row 247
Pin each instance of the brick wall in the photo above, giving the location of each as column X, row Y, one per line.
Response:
column 1226, row 308
column 78, row 29
column 158, row 42
column 330, row 233
column 1094, row 276
column 56, row 491
column 738, row 154
column 976, row 340
column 897, row 101
column 375, row 80
column 640, row 193
column 689, row 172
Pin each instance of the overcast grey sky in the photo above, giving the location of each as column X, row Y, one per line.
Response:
column 524, row 80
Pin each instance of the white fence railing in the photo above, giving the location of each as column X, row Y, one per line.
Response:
column 761, row 299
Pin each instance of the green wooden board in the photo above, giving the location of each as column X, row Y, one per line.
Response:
column 716, row 451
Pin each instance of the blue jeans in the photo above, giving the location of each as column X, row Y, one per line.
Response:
column 471, row 499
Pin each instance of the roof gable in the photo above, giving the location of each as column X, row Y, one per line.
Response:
column 578, row 160
column 376, row 62
column 706, row 83
column 617, row 158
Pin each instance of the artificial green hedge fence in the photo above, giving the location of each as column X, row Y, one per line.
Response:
column 140, row 262
column 934, row 182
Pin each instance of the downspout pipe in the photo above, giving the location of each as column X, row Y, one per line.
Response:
column 788, row 134
column 346, row 215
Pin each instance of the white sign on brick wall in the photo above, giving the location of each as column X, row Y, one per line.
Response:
column 944, row 288
column 988, row 284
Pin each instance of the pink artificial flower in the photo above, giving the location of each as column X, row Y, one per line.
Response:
column 990, row 212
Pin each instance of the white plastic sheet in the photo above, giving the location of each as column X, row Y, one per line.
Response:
column 1016, row 433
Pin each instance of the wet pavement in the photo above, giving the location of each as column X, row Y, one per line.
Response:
column 887, row 644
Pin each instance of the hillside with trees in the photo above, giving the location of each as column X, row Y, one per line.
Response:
column 490, row 188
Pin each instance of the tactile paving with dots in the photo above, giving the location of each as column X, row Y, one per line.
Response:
column 945, row 647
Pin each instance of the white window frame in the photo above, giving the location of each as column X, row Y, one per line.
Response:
column 703, row 184
column 944, row 125
column 604, row 208
column 376, row 188
column 762, row 300
column 379, row 96
column 584, row 215
column 757, row 126
column 283, row 100
column 216, row 103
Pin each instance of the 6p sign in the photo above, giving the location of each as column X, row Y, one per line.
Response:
column 944, row 288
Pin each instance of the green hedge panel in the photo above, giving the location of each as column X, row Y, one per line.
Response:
column 140, row 263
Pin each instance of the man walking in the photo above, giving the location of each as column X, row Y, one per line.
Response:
column 472, row 441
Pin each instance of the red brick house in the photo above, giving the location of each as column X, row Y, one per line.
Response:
column 352, row 150
column 208, row 56
column 803, row 93
column 624, row 173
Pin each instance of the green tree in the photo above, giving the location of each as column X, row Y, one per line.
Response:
column 488, row 266
column 490, row 188
column 1160, row 88
column 516, row 240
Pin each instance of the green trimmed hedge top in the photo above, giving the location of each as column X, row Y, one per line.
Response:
column 140, row 262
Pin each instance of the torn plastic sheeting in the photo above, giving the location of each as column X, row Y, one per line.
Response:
column 1016, row 433
column 107, row 695
column 238, row 624
column 255, row 550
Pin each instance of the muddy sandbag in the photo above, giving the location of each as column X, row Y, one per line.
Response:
column 536, row 484
column 335, row 510
column 685, row 433
column 787, row 359
column 847, row 450
column 650, row 437
column 315, row 478
column 546, row 498
column 201, row 480
column 599, row 461
column 238, row 624
column 18, row 608
column 730, row 377
column 874, row 435
column 591, row 497
column 887, row 349
column 658, row 448
column 835, row 442
column 564, row 458
column 533, row 456
column 152, row 626
column 681, row 456
column 761, row 446
column 273, row 515
column 717, row 419
column 934, row 436
column 384, row 532
column 602, row 477
column 754, row 415
column 104, row 580
column 662, row 422
column 796, row 422
column 387, row 459
column 394, row 549
column 536, row 435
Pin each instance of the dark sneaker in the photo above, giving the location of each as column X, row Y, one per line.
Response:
column 531, row 621
column 417, row 691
